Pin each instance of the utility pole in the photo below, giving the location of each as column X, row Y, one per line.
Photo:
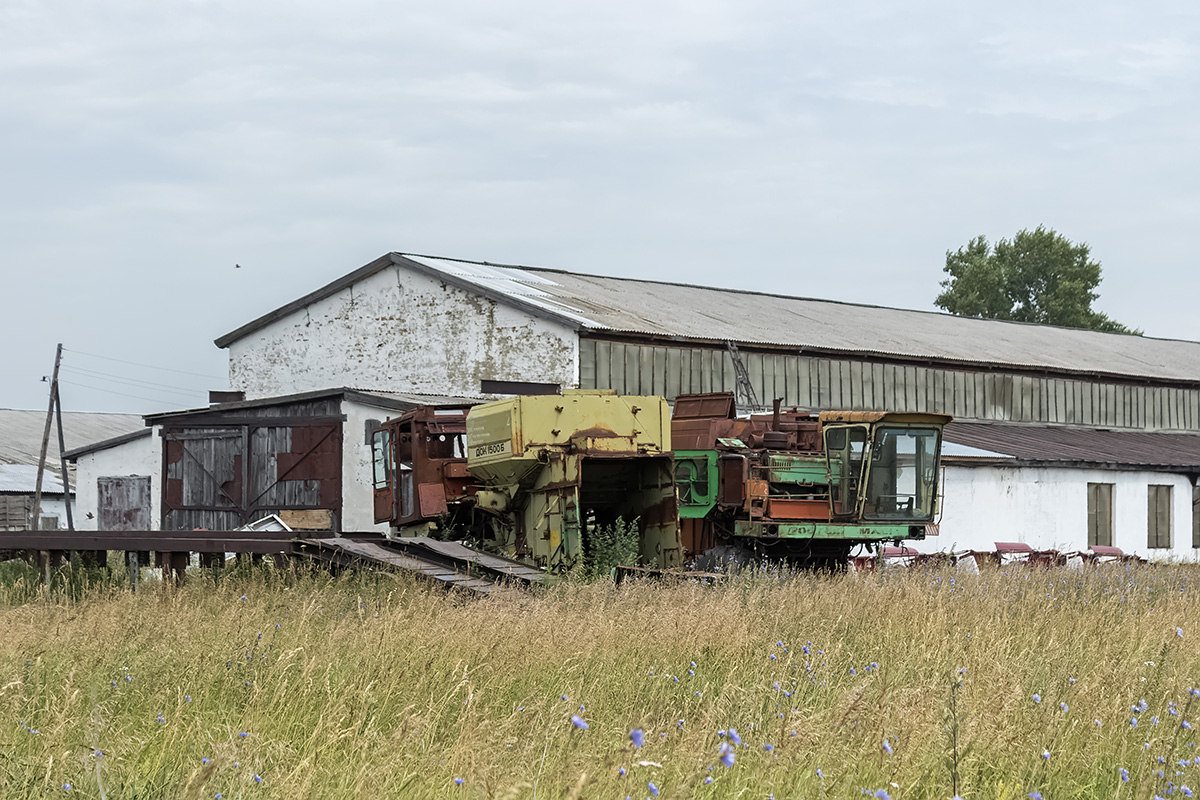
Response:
column 62, row 459
column 37, row 493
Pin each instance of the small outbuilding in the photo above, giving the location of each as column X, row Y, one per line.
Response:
column 304, row 457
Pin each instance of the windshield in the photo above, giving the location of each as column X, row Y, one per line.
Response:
column 903, row 473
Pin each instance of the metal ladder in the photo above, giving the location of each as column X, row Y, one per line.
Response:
column 744, row 386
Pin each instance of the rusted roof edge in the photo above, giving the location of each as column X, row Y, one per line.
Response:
column 358, row 395
column 1119, row 466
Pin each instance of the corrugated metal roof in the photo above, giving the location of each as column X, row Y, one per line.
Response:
column 1082, row 446
column 703, row 313
column 21, row 433
column 22, row 479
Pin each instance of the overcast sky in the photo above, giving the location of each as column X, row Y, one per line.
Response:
column 829, row 150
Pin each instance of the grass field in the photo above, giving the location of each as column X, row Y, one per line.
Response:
column 912, row 684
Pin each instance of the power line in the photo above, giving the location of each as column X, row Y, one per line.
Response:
column 148, row 366
column 122, row 394
column 91, row 373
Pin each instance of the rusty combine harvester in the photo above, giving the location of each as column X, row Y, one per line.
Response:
column 801, row 486
column 533, row 478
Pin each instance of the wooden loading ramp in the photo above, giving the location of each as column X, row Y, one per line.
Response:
column 448, row 563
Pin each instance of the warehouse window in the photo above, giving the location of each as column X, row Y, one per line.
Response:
column 1100, row 514
column 1196, row 515
column 1159, row 518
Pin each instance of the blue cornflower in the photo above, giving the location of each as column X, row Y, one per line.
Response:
column 820, row 774
column 882, row 794
column 768, row 747
column 97, row 754
column 1037, row 698
column 205, row 760
column 187, row 697
column 1035, row 795
column 721, row 733
column 243, row 735
column 1133, row 722
column 1179, row 633
column 458, row 781
column 578, row 722
column 1187, row 726
column 779, row 644
column 1185, row 790
column 708, row 778
column 564, row 697
column 1063, row 706
column 733, row 736
column 621, row 771
column 887, row 747
column 218, row 794
column 653, row 789
column 726, row 753
column 637, row 737
column 129, row 678
column 772, row 656
column 1046, row 755
column 852, row 672
column 258, row 778
column 67, row 788
column 1124, row 775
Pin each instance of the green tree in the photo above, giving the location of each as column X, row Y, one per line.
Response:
column 1037, row 276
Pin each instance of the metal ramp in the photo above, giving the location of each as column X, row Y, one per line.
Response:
column 449, row 563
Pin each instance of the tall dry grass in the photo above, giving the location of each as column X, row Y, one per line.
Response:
column 382, row 687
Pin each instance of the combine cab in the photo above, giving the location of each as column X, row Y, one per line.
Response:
column 802, row 486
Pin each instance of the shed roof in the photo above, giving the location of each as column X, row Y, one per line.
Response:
column 21, row 433
column 397, row 401
column 1077, row 446
column 593, row 303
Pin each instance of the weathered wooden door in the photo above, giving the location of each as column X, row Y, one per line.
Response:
column 223, row 477
column 123, row 503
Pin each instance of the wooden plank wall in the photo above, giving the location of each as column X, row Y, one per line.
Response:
column 812, row 382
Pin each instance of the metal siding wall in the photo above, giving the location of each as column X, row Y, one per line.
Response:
column 587, row 364
column 813, row 382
